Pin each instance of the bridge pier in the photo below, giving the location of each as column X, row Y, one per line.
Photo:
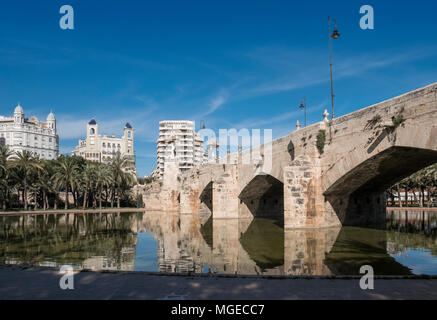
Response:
column 170, row 188
column 304, row 203
column 299, row 193
column 225, row 200
column 190, row 198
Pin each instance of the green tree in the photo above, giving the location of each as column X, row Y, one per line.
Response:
column 103, row 180
column 120, row 178
column 26, row 163
column 88, row 179
column 5, row 153
column 65, row 175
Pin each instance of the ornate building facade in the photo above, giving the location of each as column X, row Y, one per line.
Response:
column 101, row 148
column 33, row 135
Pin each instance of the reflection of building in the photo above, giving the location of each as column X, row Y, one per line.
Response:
column 100, row 148
column 125, row 262
column 33, row 135
column 179, row 142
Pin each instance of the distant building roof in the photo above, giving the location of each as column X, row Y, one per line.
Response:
column 51, row 116
column 18, row 109
column 92, row 122
column 128, row 125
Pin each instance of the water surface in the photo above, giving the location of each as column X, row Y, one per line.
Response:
column 184, row 243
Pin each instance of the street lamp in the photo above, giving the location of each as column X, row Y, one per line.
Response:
column 303, row 106
column 334, row 35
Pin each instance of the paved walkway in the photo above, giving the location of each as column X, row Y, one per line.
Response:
column 43, row 283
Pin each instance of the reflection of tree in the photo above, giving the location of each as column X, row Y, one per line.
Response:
column 68, row 239
column 422, row 222
column 416, row 230
column 400, row 242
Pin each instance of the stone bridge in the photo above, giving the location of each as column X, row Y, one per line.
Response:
column 331, row 173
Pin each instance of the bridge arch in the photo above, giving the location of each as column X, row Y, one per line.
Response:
column 263, row 196
column 358, row 197
column 206, row 199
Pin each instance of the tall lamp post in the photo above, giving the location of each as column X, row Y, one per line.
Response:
column 303, row 105
column 334, row 35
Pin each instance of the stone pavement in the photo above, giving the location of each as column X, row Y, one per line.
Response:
column 43, row 283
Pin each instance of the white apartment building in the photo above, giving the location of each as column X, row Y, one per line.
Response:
column 101, row 148
column 33, row 135
column 179, row 142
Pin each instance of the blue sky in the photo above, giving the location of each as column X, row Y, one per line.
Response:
column 233, row 64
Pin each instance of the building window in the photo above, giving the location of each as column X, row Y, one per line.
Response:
column 92, row 131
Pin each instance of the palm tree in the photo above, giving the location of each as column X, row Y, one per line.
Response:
column 88, row 178
column 102, row 180
column 77, row 183
column 128, row 181
column 45, row 182
column 65, row 175
column 26, row 163
column 430, row 180
column 5, row 153
column 116, row 165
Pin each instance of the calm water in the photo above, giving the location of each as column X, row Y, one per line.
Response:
column 173, row 243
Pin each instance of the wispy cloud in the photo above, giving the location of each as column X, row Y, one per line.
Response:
column 215, row 103
column 283, row 69
column 277, row 119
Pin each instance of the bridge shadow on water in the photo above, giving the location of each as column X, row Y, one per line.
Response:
column 356, row 247
column 264, row 242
